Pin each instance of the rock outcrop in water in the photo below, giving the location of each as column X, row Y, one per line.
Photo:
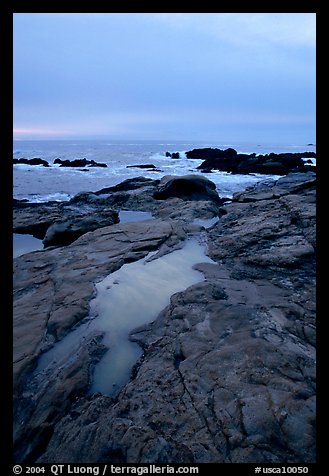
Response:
column 142, row 166
column 78, row 163
column 228, row 370
column 34, row 161
column 229, row 160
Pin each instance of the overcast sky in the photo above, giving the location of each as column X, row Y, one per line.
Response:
column 194, row 76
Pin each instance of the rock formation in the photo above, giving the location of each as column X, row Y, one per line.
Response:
column 228, row 369
column 78, row 163
column 173, row 155
column 35, row 161
column 142, row 166
column 229, row 160
column 188, row 187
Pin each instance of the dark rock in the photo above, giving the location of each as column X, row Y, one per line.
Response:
column 210, row 153
column 289, row 160
column 97, row 164
column 35, row 161
column 251, row 166
column 228, row 369
column 128, row 185
column 224, row 164
column 277, row 164
column 142, row 166
column 60, row 223
column 187, row 187
column 78, row 163
column 20, row 203
column 62, row 233
column 173, row 155
column 34, row 218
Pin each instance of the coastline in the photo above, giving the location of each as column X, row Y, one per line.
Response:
column 227, row 372
column 38, row 183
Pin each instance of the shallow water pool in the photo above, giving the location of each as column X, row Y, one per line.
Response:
column 23, row 244
column 126, row 299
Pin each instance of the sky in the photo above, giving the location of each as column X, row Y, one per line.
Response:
column 179, row 76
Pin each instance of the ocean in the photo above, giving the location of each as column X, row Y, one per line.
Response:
column 39, row 184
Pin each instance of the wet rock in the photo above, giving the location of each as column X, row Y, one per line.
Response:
column 228, row 369
column 230, row 161
column 210, row 153
column 85, row 212
column 59, row 224
column 57, row 286
column 173, row 155
column 35, row 161
column 187, row 187
column 62, row 233
column 78, row 163
column 128, row 185
column 142, row 166
column 35, row 218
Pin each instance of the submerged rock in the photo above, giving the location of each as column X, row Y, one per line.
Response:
column 228, row 370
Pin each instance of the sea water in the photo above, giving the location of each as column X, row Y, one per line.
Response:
column 38, row 183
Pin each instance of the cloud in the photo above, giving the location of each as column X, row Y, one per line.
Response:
column 288, row 29
column 38, row 131
column 165, row 73
column 144, row 123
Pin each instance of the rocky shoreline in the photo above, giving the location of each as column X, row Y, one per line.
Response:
column 228, row 369
column 227, row 160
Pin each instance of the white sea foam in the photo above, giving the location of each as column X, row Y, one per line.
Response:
column 311, row 161
column 37, row 183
